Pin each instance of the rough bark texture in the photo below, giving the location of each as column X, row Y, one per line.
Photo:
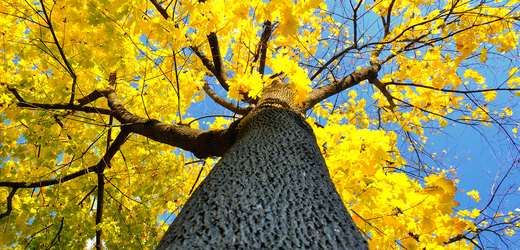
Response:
column 271, row 190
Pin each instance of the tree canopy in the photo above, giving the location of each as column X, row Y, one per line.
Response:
column 112, row 112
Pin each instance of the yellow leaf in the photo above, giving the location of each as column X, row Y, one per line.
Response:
column 475, row 213
column 490, row 95
column 483, row 55
column 474, row 194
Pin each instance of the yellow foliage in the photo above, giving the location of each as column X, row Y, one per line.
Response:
column 474, row 194
column 433, row 55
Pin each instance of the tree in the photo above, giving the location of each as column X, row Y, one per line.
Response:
column 372, row 79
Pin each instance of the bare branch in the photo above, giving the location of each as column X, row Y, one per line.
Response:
column 86, row 196
column 224, row 103
column 334, row 58
column 197, row 180
column 200, row 142
column 58, row 106
column 355, row 21
column 217, row 67
column 452, row 90
column 333, row 88
column 113, row 149
column 388, row 16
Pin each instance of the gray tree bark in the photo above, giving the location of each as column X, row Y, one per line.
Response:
column 271, row 190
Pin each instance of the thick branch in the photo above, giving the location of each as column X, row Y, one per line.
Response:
column 224, row 103
column 16, row 94
column 220, row 72
column 99, row 209
column 113, row 149
column 333, row 88
column 200, row 142
column 262, row 46
column 160, row 9
column 209, row 65
column 388, row 17
column 90, row 97
column 204, row 59
column 382, row 88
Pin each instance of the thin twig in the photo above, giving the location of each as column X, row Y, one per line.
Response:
column 62, row 53
column 86, row 196
column 57, row 237
column 197, row 180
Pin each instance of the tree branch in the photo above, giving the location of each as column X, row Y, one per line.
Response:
column 388, row 16
column 200, row 142
column 15, row 93
column 335, row 87
column 68, row 67
column 58, row 106
column 9, row 203
column 204, row 59
column 160, row 9
column 224, row 103
column 354, row 17
column 50, row 182
column 334, row 58
column 96, row 94
column 382, row 87
column 262, row 46
column 452, row 90
column 114, row 148
column 220, row 72
column 57, row 237
column 46, row 106
column 99, row 209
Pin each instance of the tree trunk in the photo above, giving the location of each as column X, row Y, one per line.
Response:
column 271, row 190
